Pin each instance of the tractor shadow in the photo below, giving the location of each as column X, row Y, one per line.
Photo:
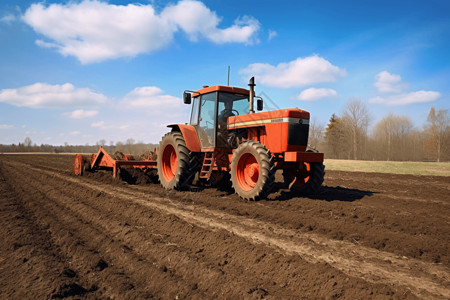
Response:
column 326, row 193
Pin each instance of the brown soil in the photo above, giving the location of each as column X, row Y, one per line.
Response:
column 365, row 236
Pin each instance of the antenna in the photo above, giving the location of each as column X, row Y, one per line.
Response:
column 228, row 76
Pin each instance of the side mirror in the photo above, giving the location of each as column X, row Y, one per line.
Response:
column 187, row 98
column 259, row 104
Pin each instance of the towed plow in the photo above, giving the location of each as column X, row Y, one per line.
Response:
column 102, row 160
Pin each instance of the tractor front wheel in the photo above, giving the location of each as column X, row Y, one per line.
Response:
column 252, row 170
column 175, row 163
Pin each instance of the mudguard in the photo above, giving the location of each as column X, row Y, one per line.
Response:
column 189, row 134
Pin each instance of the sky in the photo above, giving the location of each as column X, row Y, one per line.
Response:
column 79, row 72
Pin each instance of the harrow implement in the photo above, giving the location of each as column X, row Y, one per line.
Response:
column 102, row 160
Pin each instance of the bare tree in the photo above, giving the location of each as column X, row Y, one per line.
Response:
column 101, row 142
column 438, row 124
column 27, row 142
column 357, row 118
column 316, row 131
column 392, row 134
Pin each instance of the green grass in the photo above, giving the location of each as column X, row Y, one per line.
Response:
column 394, row 167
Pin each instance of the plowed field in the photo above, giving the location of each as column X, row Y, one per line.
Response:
column 365, row 236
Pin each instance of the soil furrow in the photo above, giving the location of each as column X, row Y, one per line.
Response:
column 372, row 265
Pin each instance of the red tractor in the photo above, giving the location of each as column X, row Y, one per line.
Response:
column 225, row 139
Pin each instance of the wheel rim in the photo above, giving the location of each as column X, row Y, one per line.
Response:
column 169, row 163
column 78, row 164
column 247, row 172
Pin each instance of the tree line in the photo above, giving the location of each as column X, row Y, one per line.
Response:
column 393, row 138
column 346, row 136
column 127, row 147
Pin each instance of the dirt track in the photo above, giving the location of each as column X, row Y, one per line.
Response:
column 365, row 236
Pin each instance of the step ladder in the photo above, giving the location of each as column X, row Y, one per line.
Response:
column 208, row 164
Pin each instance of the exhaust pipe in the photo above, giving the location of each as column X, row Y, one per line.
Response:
column 252, row 85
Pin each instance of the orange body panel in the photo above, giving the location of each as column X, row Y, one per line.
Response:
column 282, row 113
column 221, row 88
column 190, row 136
column 270, row 127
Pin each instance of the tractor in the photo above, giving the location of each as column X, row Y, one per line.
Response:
column 226, row 140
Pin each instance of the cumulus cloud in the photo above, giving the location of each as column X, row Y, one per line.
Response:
column 409, row 98
column 81, row 114
column 8, row 19
column 197, row 20
column 94, row 31
column 386, row 82
column 104, row 126
column 313, row 94
column 41, row 95
column 151, row 97
column 5, row 126
column 98, row 124
column 299, row 72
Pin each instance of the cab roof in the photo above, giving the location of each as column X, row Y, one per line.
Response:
column 221, row 88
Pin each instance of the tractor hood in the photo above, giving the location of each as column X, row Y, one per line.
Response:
column 291, row 116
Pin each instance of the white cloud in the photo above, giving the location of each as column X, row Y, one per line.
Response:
column 94, row 31
column 313, row 94
column 81, row 114
column 104, row 126
column 386, row 82
column 40, row 95
column 75, row 133
column 151, row 97
column 100, row 124
column 197, row 20
column 8, row 19
column 272, row 34
column 409, row 98
column 5, row 126
column 299, row 72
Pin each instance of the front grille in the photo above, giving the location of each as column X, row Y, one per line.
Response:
column 298, row 134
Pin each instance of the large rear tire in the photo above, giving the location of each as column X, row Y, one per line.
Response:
column 252, row 171
column 176, row 164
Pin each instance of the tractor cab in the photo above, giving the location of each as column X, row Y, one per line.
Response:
column 211, row 107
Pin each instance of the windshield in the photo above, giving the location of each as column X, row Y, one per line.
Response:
column 210, row 113
column 240, row 103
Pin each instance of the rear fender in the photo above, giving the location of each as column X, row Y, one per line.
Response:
column 189, row 134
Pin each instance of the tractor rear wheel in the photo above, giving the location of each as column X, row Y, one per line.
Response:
column 176, row 167
column 306, row 178
column 252, row 170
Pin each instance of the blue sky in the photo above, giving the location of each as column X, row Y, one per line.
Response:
column 83, row 71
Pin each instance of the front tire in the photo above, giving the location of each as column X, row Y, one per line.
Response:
column 174, row 162
column 252, row 171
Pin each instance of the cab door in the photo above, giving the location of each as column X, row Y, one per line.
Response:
column 205, row 127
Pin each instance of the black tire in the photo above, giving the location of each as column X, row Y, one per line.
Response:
column 176, row 164
column 252, row 171
column 220, row 180
column 312, row 186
